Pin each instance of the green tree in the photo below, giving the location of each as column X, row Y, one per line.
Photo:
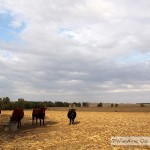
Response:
column 6, row 100
column 21, row 103
column 0, row 103
column 78, row 104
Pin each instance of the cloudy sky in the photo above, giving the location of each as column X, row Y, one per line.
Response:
column 83, row 50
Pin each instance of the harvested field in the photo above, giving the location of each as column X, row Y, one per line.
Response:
column 92, row 130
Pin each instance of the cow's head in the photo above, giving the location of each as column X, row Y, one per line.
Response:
column 43, row 110
column 72, row 110
column 12, row 120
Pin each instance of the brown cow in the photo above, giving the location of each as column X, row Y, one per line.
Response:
column 38, row 113
column 17, row 115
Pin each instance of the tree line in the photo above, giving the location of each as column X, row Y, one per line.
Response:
column 6, row 104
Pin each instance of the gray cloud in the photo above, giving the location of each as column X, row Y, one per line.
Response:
column 77, row 50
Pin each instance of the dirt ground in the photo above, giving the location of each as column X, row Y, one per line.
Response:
column 92, row 131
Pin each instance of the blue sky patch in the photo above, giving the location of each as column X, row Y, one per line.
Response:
column 135, row 58
column 67, row 32
column 7, row 32
column 6, row 54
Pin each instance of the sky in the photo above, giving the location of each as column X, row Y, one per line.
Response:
column 83, row 50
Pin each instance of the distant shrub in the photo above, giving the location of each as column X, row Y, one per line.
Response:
column 112, row 105
column 116, row 105
column 61, row 104
column 100, row 105
column 85, row 104
column 76, row 104
column 142, row 105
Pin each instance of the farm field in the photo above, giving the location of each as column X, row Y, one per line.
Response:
column 92, row 130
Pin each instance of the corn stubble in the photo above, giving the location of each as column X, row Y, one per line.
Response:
column 92, row 130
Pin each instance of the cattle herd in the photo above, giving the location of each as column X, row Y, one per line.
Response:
column 37, row 113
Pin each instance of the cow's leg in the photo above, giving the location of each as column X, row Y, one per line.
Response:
column 40, row 121
column 73, row 121
column 32, row 119
column 43, row 121
column 70, row 122
column 18, row 124
column 36, row 120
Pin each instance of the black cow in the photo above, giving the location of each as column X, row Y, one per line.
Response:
column 71, row 115
column 38, row 113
